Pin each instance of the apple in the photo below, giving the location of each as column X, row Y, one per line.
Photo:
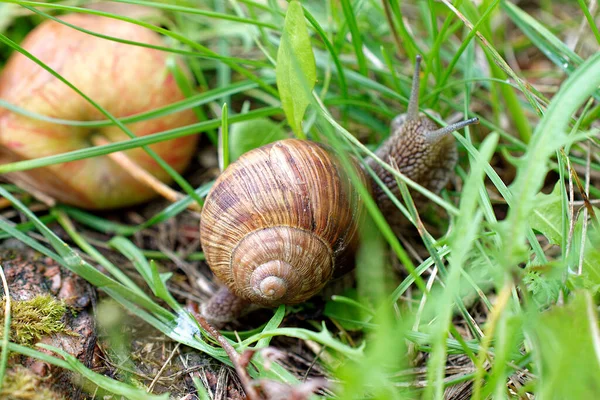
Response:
column 124, row 79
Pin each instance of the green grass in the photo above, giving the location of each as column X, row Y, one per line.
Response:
column 509, row 272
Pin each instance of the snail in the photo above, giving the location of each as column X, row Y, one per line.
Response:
column 283, row 219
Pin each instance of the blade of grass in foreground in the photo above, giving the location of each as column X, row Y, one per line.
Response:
column 590, row 19
column 549, row 135
column 232, row 64
column 332, row 52
column 224, row 139
column 178, row 327
column 106, row 226
column 133, row 143
column 104, row 382
column 148, row 270
column 356, row 36
column 28, row 226
column 190, row 102
column 160, row 48
column 68, row 226
column 181, row 327
column 109, row 384
column 461, row 240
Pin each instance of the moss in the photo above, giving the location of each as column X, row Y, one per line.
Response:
column 21, row 384
column 33, row 319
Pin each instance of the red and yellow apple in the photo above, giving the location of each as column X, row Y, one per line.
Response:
column 123, row 79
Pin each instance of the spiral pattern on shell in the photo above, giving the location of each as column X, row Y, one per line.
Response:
column 278, row 221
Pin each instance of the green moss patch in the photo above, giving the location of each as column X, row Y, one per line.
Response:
column 33, row 319
column 20, row 384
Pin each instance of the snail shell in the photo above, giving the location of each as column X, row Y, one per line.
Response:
column 278, row 221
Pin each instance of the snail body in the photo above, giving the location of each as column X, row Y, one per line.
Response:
column 281, row 221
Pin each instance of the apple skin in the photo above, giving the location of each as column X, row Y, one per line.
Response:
column 124, row 79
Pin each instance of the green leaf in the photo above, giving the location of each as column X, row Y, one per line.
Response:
column 247, row 135
column 273, row 323
column 566, row 344
column 296, row 71
column 544, row 288
column 549, row 135
column 546, row 218
column 159, row 286
column 133, row 254
column 590, row 269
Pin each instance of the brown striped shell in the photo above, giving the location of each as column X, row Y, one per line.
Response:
column 278, row 221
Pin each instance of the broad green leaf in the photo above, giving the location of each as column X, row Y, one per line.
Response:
column 546, row 218
column 247, row 135
column 550, row 134
column 567, row 344
column 590, row 269
column 296, row 71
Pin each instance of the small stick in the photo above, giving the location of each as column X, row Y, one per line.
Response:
column 390, row 21
column 240, row 362
column 588, row 207
column 160, row 372
column 143, row 176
